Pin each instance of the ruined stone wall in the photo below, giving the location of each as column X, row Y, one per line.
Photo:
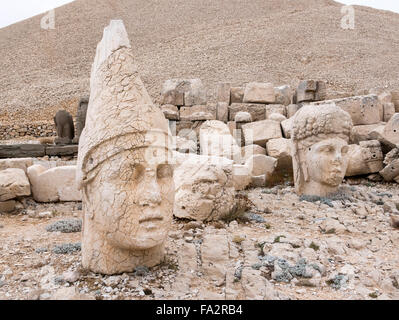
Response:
column 36, row 129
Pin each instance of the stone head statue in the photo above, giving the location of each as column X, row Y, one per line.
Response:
column 65, row 127
column 81, row 118
column 320, row 136
column 124, row 165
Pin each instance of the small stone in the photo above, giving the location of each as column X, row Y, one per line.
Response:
column 141, row 271
column 45, row 215
column 112, row 281
column 31, row 213
column 45, row 296
column 71, row 276
column 193, row 225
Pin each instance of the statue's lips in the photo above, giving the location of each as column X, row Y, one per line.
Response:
column 150, row 217
column 335, row 171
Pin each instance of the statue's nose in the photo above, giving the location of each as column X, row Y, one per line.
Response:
column 338, row 157
column 150, row 191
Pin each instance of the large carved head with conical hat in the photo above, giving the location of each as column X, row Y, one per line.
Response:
column 124, row 164
column 320, row 136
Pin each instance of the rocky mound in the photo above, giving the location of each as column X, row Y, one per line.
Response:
column 277, row 41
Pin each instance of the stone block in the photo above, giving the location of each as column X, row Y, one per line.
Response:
column 257, row 111
column 286, row 128
column 198, row 113
column 291, row 110
column 261, row 131
column 365, row 158
column 388, row 135
column 237, row 95
column 389, row 111
column 362, row 109
column 258, row 181
column 189, row 129
column 321, row 91
column 196, row 95
column 378, row 134
column 284, row 95
column 391, row 171
column 243, row 117
column 13, row 184
column 216, row 140
column 391, row 130
column 222, row 111
column 7, row 206
column 384, row 97
column 232, row 127
column 60, row 151
column 280, row 149
column 170, row 112
column 260, row 164
column 275, row 108
column 241, row 177
column 16, row 163
column 395, row 100
column 278, row 117
column 251, row 150
column 257, row 92
column 223, row 93
column 362, row 132
column 22, row 151
column 311, row 90
column 53, row 185
column 173, row 92
column 184, row 145
column 215, row 256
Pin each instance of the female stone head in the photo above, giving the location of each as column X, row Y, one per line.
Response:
column 320, row 136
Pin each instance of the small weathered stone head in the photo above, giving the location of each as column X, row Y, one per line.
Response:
column 124, row 165
column 320, row 136
column 64, row 126
column 204, row 188
column 81, row 118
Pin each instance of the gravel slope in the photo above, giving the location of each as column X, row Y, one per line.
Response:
column 280, row 41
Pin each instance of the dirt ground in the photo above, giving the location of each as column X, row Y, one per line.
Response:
column 343, row 248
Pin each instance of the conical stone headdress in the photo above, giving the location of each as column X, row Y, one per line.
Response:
column 120, row 112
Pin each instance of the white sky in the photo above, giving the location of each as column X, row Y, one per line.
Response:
column 12, row 11
column 392, row 5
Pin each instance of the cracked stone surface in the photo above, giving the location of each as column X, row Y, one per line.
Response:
column 124, row 168
column 204, row 188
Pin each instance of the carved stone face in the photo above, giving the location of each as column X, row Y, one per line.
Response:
column 131, row 198
column 204, row 192
column 327, row 161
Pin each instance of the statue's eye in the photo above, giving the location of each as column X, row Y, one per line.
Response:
column 326, row 149
column 131, row 172
column 345, row 150
column 165, row 171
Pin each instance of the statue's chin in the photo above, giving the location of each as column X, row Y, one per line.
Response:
column 334, row 181
column 140, row 242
